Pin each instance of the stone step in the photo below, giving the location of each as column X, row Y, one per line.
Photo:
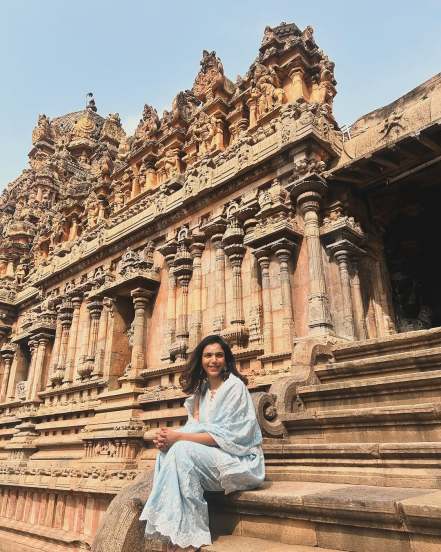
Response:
column 412, row 360
column 385, row 464
column 397, row 343
column 332, row 516
column 406, row 422
column 381, row 390
column 374, row 475
column 232, row 543
column 431, row 451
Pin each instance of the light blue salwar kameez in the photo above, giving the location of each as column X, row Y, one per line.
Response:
column 176, row 507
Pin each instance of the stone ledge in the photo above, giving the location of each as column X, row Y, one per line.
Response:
column 230, row 543
column 391, row 508
column 424, row 449
column 394, row 343
column 385, row 415
column 371, row 388
column 394, row 362
column 47, row 533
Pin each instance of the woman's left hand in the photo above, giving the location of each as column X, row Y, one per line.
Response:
column 168, row 437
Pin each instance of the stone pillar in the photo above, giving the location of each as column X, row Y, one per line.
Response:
column 83, row 338
column 309, row 194
column 95, row 308
column 72, row 344
column 381, row 291
column 109, row 305
column 55, row 347
column 214, row 229
column 342, row 259
column 283, row 252
column 219, row 289
column 255, row 310
column 196, row 250
column 182, row 326
column 236, row 333
column 263, row 258
column 171, row 310
column 168, row 250
column 7, row 352
column 65, row 317
column 140, row 299
column 98, row 369
column 183, row 270
column 33, row 345
column 40, row 355
column 357, row 300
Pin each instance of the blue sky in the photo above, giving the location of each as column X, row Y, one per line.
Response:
column 52, row 52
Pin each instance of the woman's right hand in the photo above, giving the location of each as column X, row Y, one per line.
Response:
column 160, row 442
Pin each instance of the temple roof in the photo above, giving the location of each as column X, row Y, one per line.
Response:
column 420, row 92
column 65, row 123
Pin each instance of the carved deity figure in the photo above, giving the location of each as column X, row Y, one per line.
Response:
column 210, row 77
column 118, row 201
column 266, row 89
column 184, row 106
column 148, row 125
column 308, row 37
column 170, row 164
column 92, row 210
column 43, row 130
column 112, row 128
column 130, row 332
column 20, row 273
column 124, row 148
column 58, row 229
column 203, row 131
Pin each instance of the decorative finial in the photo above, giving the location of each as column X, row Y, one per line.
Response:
column 90, row 102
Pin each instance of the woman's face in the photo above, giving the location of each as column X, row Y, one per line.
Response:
column 213, row 360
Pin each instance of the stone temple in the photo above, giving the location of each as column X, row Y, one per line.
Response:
column 244, row 210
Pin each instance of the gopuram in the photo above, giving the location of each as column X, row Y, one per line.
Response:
column 244, row 210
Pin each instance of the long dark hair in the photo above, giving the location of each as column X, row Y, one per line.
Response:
column 193, row 376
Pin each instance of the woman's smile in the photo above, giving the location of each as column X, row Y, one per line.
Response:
column 213, row 362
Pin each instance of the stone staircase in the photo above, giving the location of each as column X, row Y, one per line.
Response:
column 373, row 418
column 359, row 467
column 326, row 516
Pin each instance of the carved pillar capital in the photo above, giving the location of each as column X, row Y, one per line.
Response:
column 183, row 264
column 308, row 192
column 43, row 339
column 140, row 298
column 263, row 257
column 95, row 307
column 232, row 242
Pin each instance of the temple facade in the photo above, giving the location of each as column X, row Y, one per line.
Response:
column 245, row 211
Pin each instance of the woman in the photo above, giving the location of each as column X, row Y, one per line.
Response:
column 218, row 449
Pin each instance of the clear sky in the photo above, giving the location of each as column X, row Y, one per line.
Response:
column 131, row 52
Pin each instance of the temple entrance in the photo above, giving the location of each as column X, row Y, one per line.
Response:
column 411, row 247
